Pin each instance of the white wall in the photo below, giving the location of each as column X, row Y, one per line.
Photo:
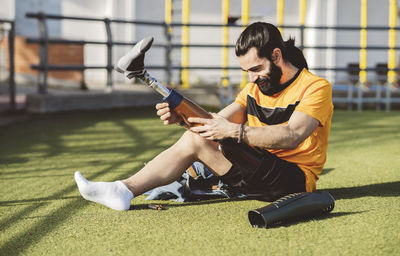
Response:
column 7, row 10
column 84, row 30
column 124, row 10
column 152, row 10
column 95, row 31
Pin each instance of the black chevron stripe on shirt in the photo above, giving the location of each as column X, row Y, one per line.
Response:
column 270, row 116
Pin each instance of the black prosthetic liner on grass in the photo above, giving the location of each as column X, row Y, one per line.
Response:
column 297, row 206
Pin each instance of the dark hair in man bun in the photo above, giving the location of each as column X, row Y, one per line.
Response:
column 265, row 37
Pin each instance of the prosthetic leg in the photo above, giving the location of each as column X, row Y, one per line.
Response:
column 132, row 65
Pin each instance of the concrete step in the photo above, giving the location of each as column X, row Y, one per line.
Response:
column 89, row 100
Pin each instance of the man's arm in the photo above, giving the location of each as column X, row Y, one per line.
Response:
column 225, row 124
column 234, row 113
column 286, row 136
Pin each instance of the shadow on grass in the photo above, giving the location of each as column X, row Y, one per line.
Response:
column 33, row 234
column 19, row 243
column 13, row 160
column 49, row 128
column 387, row 189
column 315, row 218
column 326, row 171
column 34, row 177
column 37, row 200
column 167, row 205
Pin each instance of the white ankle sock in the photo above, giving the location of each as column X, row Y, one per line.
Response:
column 114, row 195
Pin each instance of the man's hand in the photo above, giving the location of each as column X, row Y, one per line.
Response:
column 216, row 128
column 166, row 114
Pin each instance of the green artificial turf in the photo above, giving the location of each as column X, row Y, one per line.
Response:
column 42, row 213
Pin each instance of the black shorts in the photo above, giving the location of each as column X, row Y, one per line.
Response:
column 269, row 179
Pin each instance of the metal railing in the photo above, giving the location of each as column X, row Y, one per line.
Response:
column 11, row 62
column 44, row 42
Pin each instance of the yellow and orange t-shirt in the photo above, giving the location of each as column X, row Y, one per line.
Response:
column 307, row 93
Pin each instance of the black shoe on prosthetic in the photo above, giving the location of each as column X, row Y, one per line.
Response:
column 132, row 63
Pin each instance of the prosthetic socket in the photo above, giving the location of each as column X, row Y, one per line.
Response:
column 295, row 206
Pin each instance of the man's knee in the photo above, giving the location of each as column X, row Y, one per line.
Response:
column 205, row 151
column 191, row 140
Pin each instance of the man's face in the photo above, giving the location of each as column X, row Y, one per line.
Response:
column 261, row 71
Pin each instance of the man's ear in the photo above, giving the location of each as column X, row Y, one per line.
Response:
column 276, row 55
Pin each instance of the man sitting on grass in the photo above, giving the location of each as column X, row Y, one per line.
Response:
column 288, row 111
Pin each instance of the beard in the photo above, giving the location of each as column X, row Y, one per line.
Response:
column 271, row 84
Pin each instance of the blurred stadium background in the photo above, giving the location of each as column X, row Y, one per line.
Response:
column 70, row 46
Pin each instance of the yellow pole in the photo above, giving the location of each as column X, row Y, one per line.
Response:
column 185, row 41
column 302, row 9
column 245, row 22
column 363, row 43
column 168, row 13
column 225, row 58
column 245, row 12
column 280, row 14
column 392, row 41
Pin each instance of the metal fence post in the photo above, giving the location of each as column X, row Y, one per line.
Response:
column 11, row 37
column 350, row 97
column 301, row 37
column 44, row 47
column 388, row 96
column 107, row 23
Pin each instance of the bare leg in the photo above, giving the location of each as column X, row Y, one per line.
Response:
column 163, row 169
column 169, row 165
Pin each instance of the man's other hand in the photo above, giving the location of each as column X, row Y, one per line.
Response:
column 167, row 115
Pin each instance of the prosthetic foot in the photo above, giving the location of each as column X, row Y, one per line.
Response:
column 132, row 63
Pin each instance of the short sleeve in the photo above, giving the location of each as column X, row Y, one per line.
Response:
column 241, row 98
column 317, row 101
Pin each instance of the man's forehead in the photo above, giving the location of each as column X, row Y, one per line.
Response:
column 253, row 53
column 251, row 59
